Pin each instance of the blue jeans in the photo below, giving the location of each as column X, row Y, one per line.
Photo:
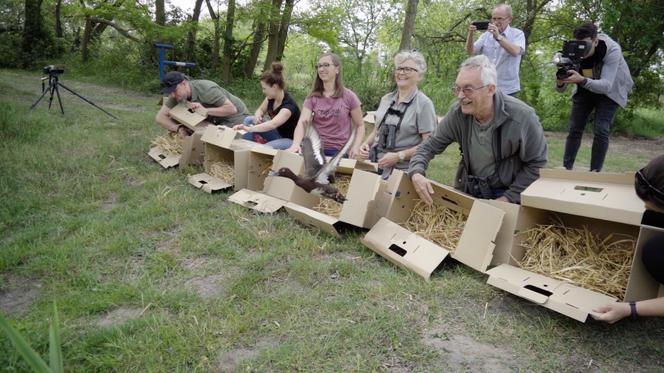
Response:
column 605, row 110
column 332, row 152
column 272, row 137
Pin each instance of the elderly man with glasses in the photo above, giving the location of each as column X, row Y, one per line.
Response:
column 501, row 140
column 503, row 45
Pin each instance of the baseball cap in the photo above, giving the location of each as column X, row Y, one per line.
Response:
column 171, row 81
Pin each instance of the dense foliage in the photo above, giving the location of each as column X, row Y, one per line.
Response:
column 112, row 42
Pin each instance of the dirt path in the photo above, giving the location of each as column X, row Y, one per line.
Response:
column 620, row 144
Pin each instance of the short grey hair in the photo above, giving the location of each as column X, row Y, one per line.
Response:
column 413, row 55
column 507, row 7
column 487, row 69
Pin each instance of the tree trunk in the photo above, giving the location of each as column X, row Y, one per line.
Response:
column 408, row 25
column 32, row 31
column 273, row 34
column 533, row 9
column 228, row 42
column 257, row 39
column 85, row 42
column 76, row 43
column 217, row 36
column 58, row 23
column 159, row 12
column 283, row 29
column 191, row 37
column 257, row 44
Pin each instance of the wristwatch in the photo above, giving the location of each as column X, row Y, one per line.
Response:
column 499, row 38
column 632, row 310
column 402, row 156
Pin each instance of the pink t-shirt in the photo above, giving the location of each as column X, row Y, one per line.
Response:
column 332, row 117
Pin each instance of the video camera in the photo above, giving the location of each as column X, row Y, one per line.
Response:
column 569, row 58
column 54, row 69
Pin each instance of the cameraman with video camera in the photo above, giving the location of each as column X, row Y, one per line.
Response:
column 603, row 82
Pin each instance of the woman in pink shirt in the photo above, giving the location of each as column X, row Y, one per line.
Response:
column 332, row 108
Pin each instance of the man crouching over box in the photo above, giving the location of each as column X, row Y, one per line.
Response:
column 501, row 139
column 223, row 108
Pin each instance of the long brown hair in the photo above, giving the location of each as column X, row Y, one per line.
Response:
column 338, row 80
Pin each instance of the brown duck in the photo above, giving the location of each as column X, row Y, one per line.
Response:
column 318, row 171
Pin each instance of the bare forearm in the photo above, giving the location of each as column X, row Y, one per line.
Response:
column 222, row 111
column 650, row 307
column 166, row 122
column 264, row 127
column 470, row 49
column 511, row 48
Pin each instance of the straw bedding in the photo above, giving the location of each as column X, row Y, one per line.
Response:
column 331, row 207
column 222, row 171
column 436, row 223
column 580, row 257
column 170, row 143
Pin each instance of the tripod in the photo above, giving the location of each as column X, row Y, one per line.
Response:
column 53, row 84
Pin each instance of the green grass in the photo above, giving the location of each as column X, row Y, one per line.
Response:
column 88, row 220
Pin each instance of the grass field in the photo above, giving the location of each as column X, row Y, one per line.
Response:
column 152, row 275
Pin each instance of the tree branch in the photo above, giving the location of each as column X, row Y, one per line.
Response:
column 117, row 27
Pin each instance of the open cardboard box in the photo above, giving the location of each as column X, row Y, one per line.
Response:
column 359, row 209
column 193, row 150
column 221, row 145
column 603, row 202
column 408, row 250
column 277, row 191
column 281, row 192
column 190, row 118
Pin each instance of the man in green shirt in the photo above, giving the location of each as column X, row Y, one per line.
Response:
column 223, row 108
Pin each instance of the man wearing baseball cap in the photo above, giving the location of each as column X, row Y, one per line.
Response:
column 223, row 108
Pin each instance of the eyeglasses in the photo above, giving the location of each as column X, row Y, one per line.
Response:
column 499, row 19
column 467, row 91
column 323, row 65
column 405, row 70
column 642, row 178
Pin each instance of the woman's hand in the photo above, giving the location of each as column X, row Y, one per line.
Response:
column 354, row 152
column 611, row 312
column 294, row 149
column 364, row 151
column 388, row 160
column 241, row 127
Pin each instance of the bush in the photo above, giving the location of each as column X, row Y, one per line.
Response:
column 10, row 50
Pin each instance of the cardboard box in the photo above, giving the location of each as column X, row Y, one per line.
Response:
column 358, row 210
column 258, row 165
column 221, row 145
column 389, row 239
column 164, row 158
column 190, row 118
column 192, row 153
column 277, row 191
column 603, row 202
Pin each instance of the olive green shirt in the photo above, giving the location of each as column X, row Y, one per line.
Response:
column 210, row 94
column 480, row 150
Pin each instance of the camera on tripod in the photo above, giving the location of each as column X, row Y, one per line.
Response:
column 54, row 69
column 569, row 58
column 53, row 79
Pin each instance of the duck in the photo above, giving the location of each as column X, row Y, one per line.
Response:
column 318, row 170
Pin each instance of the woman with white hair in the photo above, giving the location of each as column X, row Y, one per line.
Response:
column 404, row 117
